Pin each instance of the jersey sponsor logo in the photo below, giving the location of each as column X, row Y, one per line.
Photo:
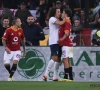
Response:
column 32, row 65
column 15, row 40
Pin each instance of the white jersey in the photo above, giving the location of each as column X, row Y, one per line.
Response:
column 53, row 31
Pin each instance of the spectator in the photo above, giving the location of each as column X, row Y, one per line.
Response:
column 82, row 16
column 42, row 9
column 59, row 5
column 6, row 13
column 33, row 4
column 96, row 22
column 22, row 13
column 76, row 29
column 33, row 32
column 3, row 27
column 96, row 3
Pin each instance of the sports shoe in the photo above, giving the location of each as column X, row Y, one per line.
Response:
column 68, row 80
column 10, row 79
column 45, row 78
column 63, row 80
column 55, row 79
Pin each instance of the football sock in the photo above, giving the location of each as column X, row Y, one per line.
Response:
column 50, row 65
column 56, row 68
column 66, row 71
column 8, row 68
column 13, row 69
column 70, row 73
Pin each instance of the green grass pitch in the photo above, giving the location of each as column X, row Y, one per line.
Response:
column 31, row 85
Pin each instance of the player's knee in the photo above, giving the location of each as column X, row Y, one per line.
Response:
column 55, row 58
column 6, row 64
column 65, row 61
column 15, row 61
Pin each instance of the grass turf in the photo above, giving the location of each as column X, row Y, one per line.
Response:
column 30, row 85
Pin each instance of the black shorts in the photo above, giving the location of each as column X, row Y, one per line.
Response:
column 55, row 50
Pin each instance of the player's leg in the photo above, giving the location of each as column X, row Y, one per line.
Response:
column 70, row 67
column 57, row 63
column 65, row 61
column 50, row 64
column 7, row 58
column 70, row 71
column 16, row 58
column 52, row 61
column 56, row 68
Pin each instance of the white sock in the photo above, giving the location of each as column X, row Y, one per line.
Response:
column 50, row 65
column 56, row 68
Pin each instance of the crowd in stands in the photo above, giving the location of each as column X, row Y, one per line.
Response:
column 24, row 9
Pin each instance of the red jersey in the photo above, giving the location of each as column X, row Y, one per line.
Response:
column 66, row 27
column 13, row 38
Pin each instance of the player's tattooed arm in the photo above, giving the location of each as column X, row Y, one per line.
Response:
column 5, row 45
column 23, row 44
column 61, row 39
column 4, row 42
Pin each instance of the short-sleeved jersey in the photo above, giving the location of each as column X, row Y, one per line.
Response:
column 53, row 31
column 13, row 38
column 66, row 27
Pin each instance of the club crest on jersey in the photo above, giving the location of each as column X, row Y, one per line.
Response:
column 12, row 34
column 19, row 33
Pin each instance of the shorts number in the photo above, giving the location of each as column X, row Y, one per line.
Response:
column 18, row 56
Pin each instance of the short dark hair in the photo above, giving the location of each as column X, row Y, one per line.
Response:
column 52, row 12
column 14, row 20
column 5, row 18
column 30, row 16
column 68, row 12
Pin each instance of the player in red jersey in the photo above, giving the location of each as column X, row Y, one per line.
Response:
column 11, row 40
column 66, row 43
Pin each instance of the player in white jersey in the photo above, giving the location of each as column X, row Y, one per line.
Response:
column 54, row 26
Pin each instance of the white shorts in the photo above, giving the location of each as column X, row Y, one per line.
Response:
column 67, row 52
column 15, row 55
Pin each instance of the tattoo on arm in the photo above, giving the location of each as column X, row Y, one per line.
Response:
column 66, row 34
column 23, row 44
column 4, row 43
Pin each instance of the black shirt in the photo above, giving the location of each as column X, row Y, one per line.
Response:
column 33, row 33
column 2, row 30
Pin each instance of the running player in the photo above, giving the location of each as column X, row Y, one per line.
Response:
column 54, row 26
column 66, row 43
column 11, row 42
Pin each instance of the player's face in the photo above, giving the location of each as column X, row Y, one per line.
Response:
column 63, row 14
column 18, row 23
column 6, row 22
column 58, row 13
column 30, row 20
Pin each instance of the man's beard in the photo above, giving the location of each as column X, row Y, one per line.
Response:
column 30, row 23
